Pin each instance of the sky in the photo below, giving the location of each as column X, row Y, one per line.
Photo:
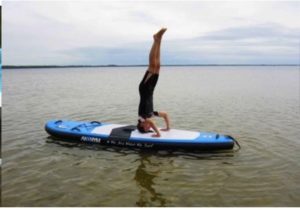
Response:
column 120, row 32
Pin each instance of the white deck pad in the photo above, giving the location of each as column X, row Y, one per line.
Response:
column 105, row 129
column 172, row 134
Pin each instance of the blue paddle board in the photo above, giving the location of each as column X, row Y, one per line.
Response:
column 129, row 136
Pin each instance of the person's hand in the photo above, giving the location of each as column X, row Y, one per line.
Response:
column 155, row 135
column 165, row 129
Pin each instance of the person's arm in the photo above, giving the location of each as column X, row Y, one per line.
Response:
column 154, row 127
column 167, row 121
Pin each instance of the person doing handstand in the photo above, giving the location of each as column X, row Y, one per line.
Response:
column 146, row 89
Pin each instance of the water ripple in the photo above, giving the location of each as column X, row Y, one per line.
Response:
column 263, row 115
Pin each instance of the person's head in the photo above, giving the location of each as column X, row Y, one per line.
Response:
column 143, row 127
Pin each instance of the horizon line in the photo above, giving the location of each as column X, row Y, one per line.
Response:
column 134, row 65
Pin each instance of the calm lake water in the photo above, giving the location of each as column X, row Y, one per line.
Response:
column 259, row 106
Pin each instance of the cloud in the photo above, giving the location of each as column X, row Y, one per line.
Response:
column 115, row 32
column 262, row 31
column 247, row 44
column 102, row 55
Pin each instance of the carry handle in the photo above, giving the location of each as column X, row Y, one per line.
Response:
column 75, row 129
column 96, row 122
column 57, row 122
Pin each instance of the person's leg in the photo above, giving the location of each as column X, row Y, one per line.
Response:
column 154, row 56
column 153, row 61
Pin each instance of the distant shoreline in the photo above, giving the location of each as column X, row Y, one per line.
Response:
column 142, row 65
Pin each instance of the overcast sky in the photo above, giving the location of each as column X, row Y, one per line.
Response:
column 120, row 32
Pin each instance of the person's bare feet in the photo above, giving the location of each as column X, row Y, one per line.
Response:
column 159, row 34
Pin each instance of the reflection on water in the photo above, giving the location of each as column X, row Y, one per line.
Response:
column 144, row 177
column 262, row 114
column 150, row 166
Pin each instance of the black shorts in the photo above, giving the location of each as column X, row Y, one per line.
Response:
column 143, row 117
column 146, row 89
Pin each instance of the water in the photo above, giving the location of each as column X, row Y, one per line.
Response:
column 259, row 106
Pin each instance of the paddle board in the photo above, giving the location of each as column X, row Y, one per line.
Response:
column 129, row 136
